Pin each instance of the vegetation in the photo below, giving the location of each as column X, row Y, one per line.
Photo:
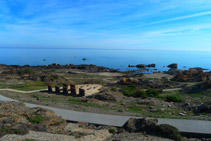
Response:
column 36, row 120
column 29, row 140
column 152, row 93
column 114, row 89
column 54, row 77
column 133, row 91
column 29, row 86
column 112, row 131
column 29, row 71
column 173, row 98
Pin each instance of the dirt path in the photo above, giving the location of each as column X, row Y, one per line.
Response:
column 23, row 92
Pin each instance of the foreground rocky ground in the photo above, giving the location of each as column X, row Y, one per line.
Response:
column 19, row 123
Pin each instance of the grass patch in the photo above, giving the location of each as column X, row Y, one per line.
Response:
column 134, row 109
column 74, row 101
column 29, row 86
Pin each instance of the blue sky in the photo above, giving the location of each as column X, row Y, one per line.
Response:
column 112, row 24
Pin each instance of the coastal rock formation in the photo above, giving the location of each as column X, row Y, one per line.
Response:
column 173, row 71
column 144, row 66
column 172, row 66
column 192, row 75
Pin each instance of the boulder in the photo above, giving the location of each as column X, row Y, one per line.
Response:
column 173, row 66
column 204, row 108
column 140, row 125
column 141, row 66
column 168, row 131
column 151, row 65
column 173, row 71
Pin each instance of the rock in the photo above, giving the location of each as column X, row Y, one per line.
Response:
column 16, row 118
column 105, row 97
column 199, row 87
column 6, row 121
column 173, row 66
column 189, row 107
column 182, row 114
column 151, row 65
column 204, row 108
column 173, row 71
column 141, row 66
column 150, row 127
column 191, row 75
column 140, row 125
column 168, row 131
column 130, row 66
column 144, row 66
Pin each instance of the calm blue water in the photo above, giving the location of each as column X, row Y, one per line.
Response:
column 118, row 59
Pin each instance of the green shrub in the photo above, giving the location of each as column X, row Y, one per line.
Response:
column 172, row 98
column 139, row 93
column 128, row 91
column 112, row 131
column 15, row 131
column 5, row 128
column 36, row 120
column 29, row 71
column 152, row 93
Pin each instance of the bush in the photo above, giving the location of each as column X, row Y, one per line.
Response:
column 128, row 91
column 172, row 98
column 36, row 120
column 139, row 93
column 112, row 131
column 29, row 71
column 152, row 93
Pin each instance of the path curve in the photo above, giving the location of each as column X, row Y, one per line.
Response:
column 186, row 126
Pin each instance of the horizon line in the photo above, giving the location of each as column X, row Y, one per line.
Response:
column 150, row 49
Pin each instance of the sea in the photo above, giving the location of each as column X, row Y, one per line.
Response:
column 112, row 58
